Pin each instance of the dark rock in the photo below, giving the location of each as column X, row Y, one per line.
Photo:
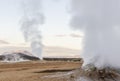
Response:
column 105, row 74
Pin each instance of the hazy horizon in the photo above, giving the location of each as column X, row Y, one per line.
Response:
column 48, row 51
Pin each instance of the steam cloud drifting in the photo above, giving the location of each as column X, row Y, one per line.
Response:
column 32, row 18
column 100, row 22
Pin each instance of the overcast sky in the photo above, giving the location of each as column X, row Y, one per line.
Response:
column 56, row 30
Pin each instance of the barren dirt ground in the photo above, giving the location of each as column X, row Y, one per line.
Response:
column 38, row 71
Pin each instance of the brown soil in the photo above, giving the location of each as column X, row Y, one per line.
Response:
column 53, row 71
column 38, row 71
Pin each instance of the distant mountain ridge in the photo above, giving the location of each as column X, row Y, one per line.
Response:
column 48, row 51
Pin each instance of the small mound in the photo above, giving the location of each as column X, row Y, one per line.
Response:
column 94, row 74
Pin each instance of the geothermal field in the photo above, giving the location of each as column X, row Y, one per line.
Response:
column 91, row 53
column 54, row 70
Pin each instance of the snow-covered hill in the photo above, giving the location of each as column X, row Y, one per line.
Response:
column 17, row 57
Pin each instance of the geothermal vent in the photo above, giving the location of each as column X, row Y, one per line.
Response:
column 31, row 22
column 99, row 20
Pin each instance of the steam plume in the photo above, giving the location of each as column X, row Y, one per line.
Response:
column 32, row 18
column 100, row 22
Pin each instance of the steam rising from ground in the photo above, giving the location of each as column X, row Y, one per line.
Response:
column 100, row 22
column 32, row 18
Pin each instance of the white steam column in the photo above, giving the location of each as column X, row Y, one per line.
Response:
column 31, row 20
column 100, row 22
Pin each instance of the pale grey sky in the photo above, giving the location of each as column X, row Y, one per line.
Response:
column 57, row 20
